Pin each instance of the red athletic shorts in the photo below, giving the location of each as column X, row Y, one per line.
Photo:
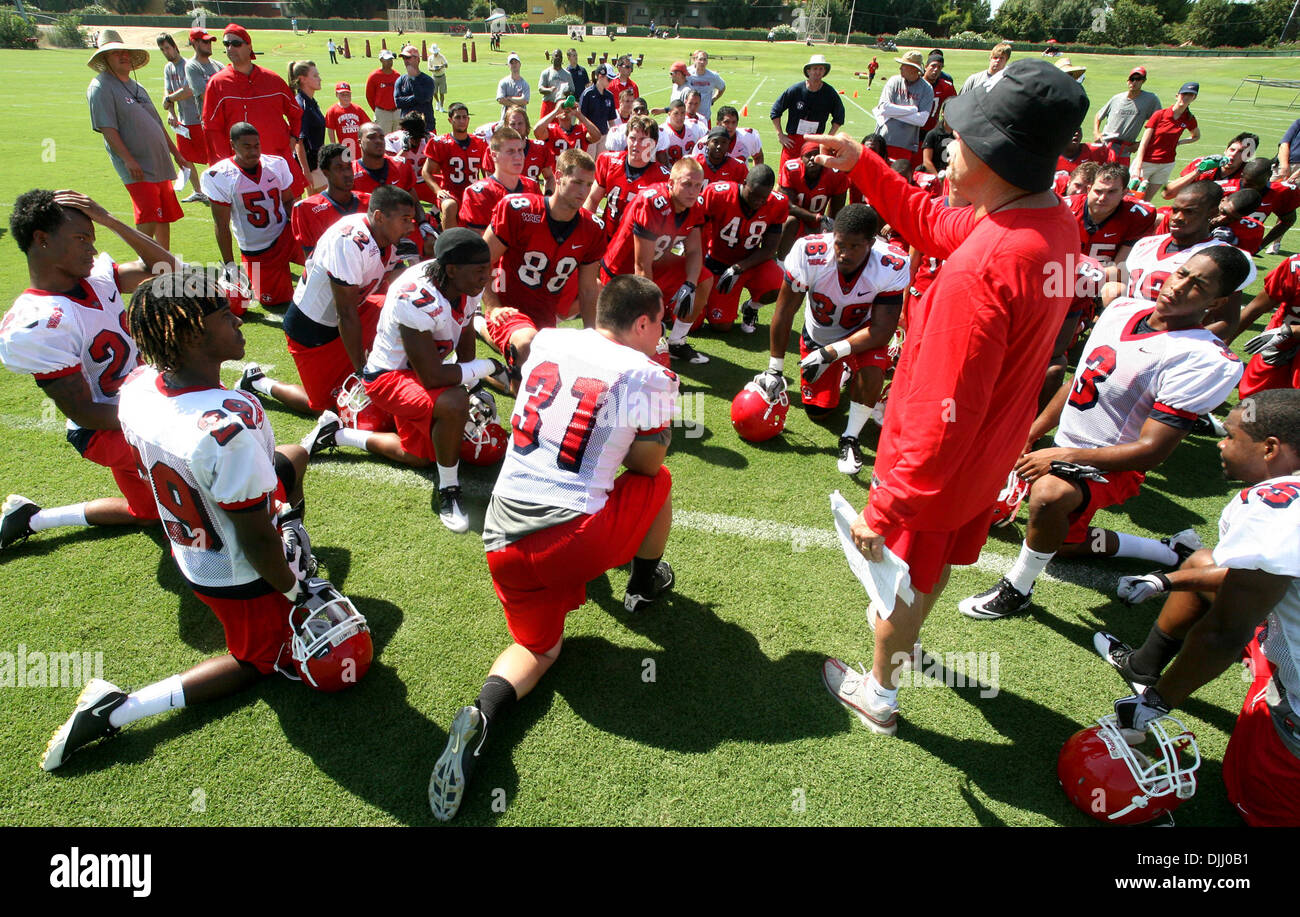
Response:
column 547, row 108
column 194, row 147
column 257, row 630
column 541, row 578
column 670, row 274
column 154, row 202
column 268, row 270
column 324, row 369
column 927, row 553
column 110, row 449
column 1119, row 486
column 400, row 394
column 825, row 392
column 1261, row 774
column 915, row 157
column 760, row 281
column 503, row 323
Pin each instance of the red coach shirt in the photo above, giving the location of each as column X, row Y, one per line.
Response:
column 966, row 392
column 650, row 216
column 379, row 89
column 1131, row 220
column 1165, row 131
column 262, row 99
column 312, row 216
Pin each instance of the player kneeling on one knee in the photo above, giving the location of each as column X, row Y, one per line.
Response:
column 231, row 504
column 560, row 514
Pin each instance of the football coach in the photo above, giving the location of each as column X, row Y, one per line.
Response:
column 966, row 388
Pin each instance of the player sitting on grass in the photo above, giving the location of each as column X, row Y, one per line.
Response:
column 221, row 487
column 1148, row 369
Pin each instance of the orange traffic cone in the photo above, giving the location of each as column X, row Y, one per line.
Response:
column 464, row 52
column 424, row 50
column 745, row 112
column 347, row 50
column 383, row 43
column 855, row 93
column 367, row 47
column 473, row 51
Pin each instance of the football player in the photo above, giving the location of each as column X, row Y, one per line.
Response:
column 816, row 194
column 453, row 162
column 539, row 161
column 481, row 198
column 743, row 142
column 408, row 142
column 677, row 138
column 547, row 252
column 68, row 330
column 1224, row 169
column 1109, row 222
column 1148, row 371
column 1235, row 225
column 1243, row 596
column 853, row 283
column 1275, row 360
column 251, row 193
column 657, row 220
column 231, row 503
column 741, row 231
column 567, row 128
column 560, row 514
column 620, row 175
column 718, row 165
column 376, row 166
column 616, row 136
column 313, row 215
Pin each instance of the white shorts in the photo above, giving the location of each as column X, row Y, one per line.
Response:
column 1156, row 174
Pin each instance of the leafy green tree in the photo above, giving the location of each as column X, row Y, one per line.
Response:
column 1130, row 24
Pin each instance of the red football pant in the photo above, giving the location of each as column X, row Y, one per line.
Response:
column 1261, row 774
column 760, row 280
column 324, row 369
column 401, row 395
column 825, row 392
column 1119, row 486
column 110, row 449
column 257, row 630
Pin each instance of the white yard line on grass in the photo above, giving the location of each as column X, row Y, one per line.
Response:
column 754, row 93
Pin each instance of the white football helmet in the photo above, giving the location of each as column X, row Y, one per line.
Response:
column 352, row 400
column 331, row 645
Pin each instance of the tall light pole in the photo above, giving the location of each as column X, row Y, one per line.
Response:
column 855, row 9
column 1282, row 36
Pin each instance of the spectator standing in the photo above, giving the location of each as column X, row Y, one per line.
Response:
column 438, row 65
column 413, row 91
column 344, row 119
column 1160, row 141
column 905, row 104
column 182, row 114
column 624, row 79
column 943, row 88
column 137, row 142
column 807, row 107
column 304, row 81
column 379, row 92
column 578, row 73
column 1288, row 151
column 513, row 89
column 998, row 57
column 555, row 84
column 708, row 82
column 1125, row 114
column 598, row 106
column 332, row 49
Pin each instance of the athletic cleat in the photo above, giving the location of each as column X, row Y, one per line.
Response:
column 748, row 318
column 849, row 687
column 1209, row 425
column 88, row 722
column 322, row 435
column 850, row 461
column 198, row 197
column 1117, row 653
column 252, row 372
column 684, row 351
column 450, row 511
column 1274, row 249
column 16, row 520
column 663, row 581
column 452, row 771
column 1002, row 600
column 1184, row 544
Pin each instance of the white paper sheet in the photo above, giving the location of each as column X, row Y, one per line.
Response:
column 883, row 581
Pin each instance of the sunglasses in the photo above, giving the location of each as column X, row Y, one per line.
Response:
column 233, row 43
column 1138, row 79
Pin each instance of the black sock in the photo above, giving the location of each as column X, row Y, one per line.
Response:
column 496, row 697
column 642, row 581
column 1152, row 656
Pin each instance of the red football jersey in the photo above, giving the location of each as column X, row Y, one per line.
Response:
column 538, row 273
column 621, row 181
column 1131, row 220
column 794, row 184
column 943, row 90
column 1281, row 198
column 1283, row 286
column 1247, row 234
column 459, row 162
column 395, row 172
column 559, row 139
column 537, row 156
column 481, row 199
column 732, row 169
column 1087, row 153
column 312, row 216
column 729, row 234
column 650, row 216
column 346, row 121
column 1228, row 185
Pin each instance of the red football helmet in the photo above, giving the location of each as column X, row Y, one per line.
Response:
column 754, row 417
column 331, row 646
column 1115, row 783
column 1008, row 504
column 352, row 399
column 485, row 439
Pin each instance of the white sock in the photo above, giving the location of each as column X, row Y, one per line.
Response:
column 1027, row 567
column 448, row 477
column 74, row 514
column 681, row 328
column 150, row 700
column 347, row 436
column 886, row 695
column 859, row 414
column 263, row 386
column 1145, row 549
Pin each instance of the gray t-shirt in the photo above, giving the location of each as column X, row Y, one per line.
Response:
column 918, row 93
column 127, row 108
column 1126, row 117
column 554, row 85
column 707, row 83
column 975, row 81
column 509, row 87
column 173, row 79
column 197, row 75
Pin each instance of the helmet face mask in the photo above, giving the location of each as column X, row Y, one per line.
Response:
column 352, row 400
column 485, row 439
column 331, row 645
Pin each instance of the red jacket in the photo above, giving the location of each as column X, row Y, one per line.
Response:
column 262, row 99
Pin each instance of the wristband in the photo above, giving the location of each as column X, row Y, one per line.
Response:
column 776, row 364
column 840, row 349
column 292, row 594
column 475, row 370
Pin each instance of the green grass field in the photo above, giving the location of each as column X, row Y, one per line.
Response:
column 709, row 711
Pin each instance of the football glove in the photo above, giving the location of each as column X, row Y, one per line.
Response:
column 727, row 280
column 1210, row 163
column 1137, row 712
column 297, row 550
column 234, row 282
column 1134, row 590
column 428, row 230
column 1273, row 346
column 500, row 374
column 684, row 300
column 771, row 383
column 817, row 362
column 407, row 250
column 1073, row 472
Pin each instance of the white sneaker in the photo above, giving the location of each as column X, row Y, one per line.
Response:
column 1275, row 248
column 1184, row 544
column 450, row 511
column 849, row 687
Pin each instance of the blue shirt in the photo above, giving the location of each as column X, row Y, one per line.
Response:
column 1292, row 138
column 599, row 106
column 414, row 95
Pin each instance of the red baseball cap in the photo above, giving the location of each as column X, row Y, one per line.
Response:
column 1140, row 71
column 201, row 35
column 341, row 87
column 241, row 33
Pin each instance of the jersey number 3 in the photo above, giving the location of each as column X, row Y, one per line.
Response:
column 543, row 385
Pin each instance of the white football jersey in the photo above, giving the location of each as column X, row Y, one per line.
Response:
column 747, row 144
column 50, row 335
column 487, row 130
column 690, row 136
column 616, row 139
column 834, row 311
column 258, row 213
column 583, row 401
column 1260, row 530
column 1150, row 264
column 347, row 251
column 1129, row 373
column 207, row 453
column 414, row 302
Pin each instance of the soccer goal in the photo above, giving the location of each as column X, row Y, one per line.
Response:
column 406, row 17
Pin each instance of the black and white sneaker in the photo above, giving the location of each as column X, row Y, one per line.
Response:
column 252, row 372
column 682, row 350
column 850, row 461
column 1184, row 544
column 322, row 435
column 1002, row 600
column 15, row 520
column 663, row 581
column 88, row 722
column 1116, row 652
column 452, row 771
column 450, row 511
column 748, row 318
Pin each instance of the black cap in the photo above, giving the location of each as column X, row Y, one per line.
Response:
column 1190, row 87
column 716, row 132
column 1019, row 121
column 461, row 246
column 936, row 54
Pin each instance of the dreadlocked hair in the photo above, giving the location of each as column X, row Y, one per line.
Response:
column 166, row 315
